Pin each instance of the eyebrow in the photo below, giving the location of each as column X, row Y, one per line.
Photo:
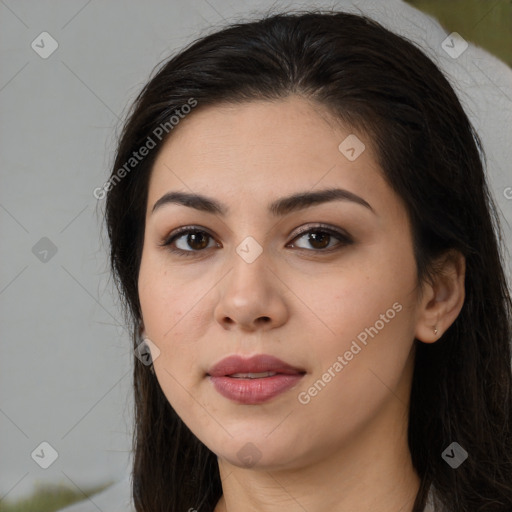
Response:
column 279, row 207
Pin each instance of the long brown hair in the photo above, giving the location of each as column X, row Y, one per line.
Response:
column 384, row 85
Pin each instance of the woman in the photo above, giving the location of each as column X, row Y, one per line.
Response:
column 303, row 235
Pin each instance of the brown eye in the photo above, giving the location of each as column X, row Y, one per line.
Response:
column 197, row 240
column 188, row 241
column 320, row 238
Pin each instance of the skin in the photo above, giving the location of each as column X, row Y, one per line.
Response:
column 346, row 449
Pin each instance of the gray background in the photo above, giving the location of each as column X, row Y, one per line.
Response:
column 65, row 356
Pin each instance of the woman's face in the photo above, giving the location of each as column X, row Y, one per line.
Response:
column 328, row 287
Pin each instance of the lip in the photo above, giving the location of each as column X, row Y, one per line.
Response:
column 253, row 391
column 255, row 364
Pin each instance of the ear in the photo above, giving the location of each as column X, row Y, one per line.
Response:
column 442, row 298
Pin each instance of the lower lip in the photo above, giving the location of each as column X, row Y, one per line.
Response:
column 254, row 391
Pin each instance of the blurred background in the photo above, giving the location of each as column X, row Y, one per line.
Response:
column 486, row 23
column 65, row 357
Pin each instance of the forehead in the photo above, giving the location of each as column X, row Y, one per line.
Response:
column 285, row 123
column 262, row 149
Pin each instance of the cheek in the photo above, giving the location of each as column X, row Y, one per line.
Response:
column 163, row 298
column 363, row 312
column 173, row 316
column 343, row 300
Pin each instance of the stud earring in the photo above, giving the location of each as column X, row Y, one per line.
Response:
column 435, row 331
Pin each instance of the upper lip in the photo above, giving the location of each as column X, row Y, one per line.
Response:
column 255, row 364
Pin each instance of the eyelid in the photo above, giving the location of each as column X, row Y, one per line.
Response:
column 167, row 239
column 323, row 227
column 343, row 237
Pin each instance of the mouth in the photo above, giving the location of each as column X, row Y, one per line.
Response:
column 253, row 380
column 260, row 375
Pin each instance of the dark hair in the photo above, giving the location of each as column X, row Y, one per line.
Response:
column 382, row 84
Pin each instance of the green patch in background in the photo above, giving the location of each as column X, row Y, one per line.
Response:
column 485, row 23
column 50, row 499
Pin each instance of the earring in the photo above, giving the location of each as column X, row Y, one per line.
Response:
column 435, row 331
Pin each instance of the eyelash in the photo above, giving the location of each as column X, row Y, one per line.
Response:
column 343, row 238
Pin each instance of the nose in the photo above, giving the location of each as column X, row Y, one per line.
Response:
column 251, row 297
